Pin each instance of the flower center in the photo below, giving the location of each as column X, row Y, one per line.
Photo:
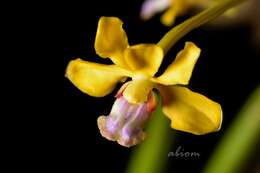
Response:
column 138, row 89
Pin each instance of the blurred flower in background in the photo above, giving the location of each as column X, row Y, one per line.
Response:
column 247, row 13
column 174, row 9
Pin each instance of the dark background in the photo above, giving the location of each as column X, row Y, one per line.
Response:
column 62, row 133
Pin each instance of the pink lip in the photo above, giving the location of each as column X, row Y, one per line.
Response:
column 125, row 122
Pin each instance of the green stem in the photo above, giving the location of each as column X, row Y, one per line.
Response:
column 239, row 141
column 177, row 32
column 152, row 155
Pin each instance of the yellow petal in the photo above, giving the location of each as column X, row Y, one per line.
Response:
column 190, row 111
column 144, row 58
column 111, row 40
column 137, row 91
column 94, row 79
column 180, row 70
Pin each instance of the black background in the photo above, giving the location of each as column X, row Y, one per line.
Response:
column 61, row 130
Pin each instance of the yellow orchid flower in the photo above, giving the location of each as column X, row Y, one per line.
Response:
column 188, row 111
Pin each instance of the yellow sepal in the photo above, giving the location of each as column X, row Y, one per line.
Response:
column 189, row 111
column 94, row 79
column 111, row 40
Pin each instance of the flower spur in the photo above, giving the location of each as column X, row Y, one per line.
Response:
column 188, row 111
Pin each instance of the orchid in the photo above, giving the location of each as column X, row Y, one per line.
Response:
column 135, row 101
